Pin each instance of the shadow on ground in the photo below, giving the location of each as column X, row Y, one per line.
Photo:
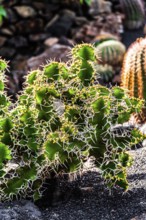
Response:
column 88, row 198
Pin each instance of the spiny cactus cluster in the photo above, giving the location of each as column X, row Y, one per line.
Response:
column 59, row 121
column 133, row 75
column 134, row 13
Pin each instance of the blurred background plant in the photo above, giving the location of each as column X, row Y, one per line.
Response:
column 3, row 14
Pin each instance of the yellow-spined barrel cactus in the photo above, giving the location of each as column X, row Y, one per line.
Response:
column 133, row 76
column 134, row 13
column 59, row 121
column 110, row 52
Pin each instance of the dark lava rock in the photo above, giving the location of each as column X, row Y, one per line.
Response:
column 33, row 25
column 18, row 41
column 21, row 210
column 56, row 52
column 62, row 24
column 7, row 52
column 11, row 16
column 2, row 41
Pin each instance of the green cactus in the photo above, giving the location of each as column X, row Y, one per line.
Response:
column 133, row 75
column 59, row 121
column 134, row 13
column 110, row 52
column 104, row 72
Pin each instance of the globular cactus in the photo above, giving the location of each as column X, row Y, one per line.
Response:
column 105, row 36
column 110, row 52
column 133, row 75
column 59, row 121
column 104, row 72
column 134, row 13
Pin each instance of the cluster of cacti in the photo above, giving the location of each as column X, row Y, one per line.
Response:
column 134, row 13
column 61, row 119
column 133, row 75
column 111, row 53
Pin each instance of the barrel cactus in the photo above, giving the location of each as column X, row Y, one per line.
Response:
column 133, row 75
column 59, row 121
column 134, row 13
column 110, row 52
column 104, row 72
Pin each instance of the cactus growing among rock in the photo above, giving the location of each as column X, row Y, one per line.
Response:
column 134, row 72
column 61, row 119
column 110, row 52
column 134, row 13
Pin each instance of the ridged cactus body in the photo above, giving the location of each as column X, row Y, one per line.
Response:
column 110, row 52
column 104, row 72
column 134, row 13
column 134, row 70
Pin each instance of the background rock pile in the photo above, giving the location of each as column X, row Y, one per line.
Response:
column 36, row 31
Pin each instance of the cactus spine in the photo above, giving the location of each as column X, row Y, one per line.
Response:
column 134, row 71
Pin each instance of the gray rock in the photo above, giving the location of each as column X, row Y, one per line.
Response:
column 11, row 16
column 6, row 31
column 30, row 26
column 18, row 41
column 2, row 41
column 51, row 41
column 56, row 52
column 20, row 211
column 100, row 6
column 61, row 24
column 7, row 52
column 25, row 11
column 38, row 37
column 142, row 128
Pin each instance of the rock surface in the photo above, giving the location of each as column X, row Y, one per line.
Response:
column 87, row 198
column 56, row 52
column 25, row 11
column 20, row 211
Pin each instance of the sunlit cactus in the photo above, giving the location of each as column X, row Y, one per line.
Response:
column 5, row 121
column 59, row 121
column 134, row 13
column 110, row 52
column 133, row 76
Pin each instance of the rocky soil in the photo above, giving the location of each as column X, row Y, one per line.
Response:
column 36, row 31
column 87, row 198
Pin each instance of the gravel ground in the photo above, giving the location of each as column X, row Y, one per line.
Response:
column 87, row 198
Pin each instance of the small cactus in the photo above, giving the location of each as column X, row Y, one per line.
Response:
column 133, row 75
column 104, row 72
column 110, row 52
column 134, row 13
